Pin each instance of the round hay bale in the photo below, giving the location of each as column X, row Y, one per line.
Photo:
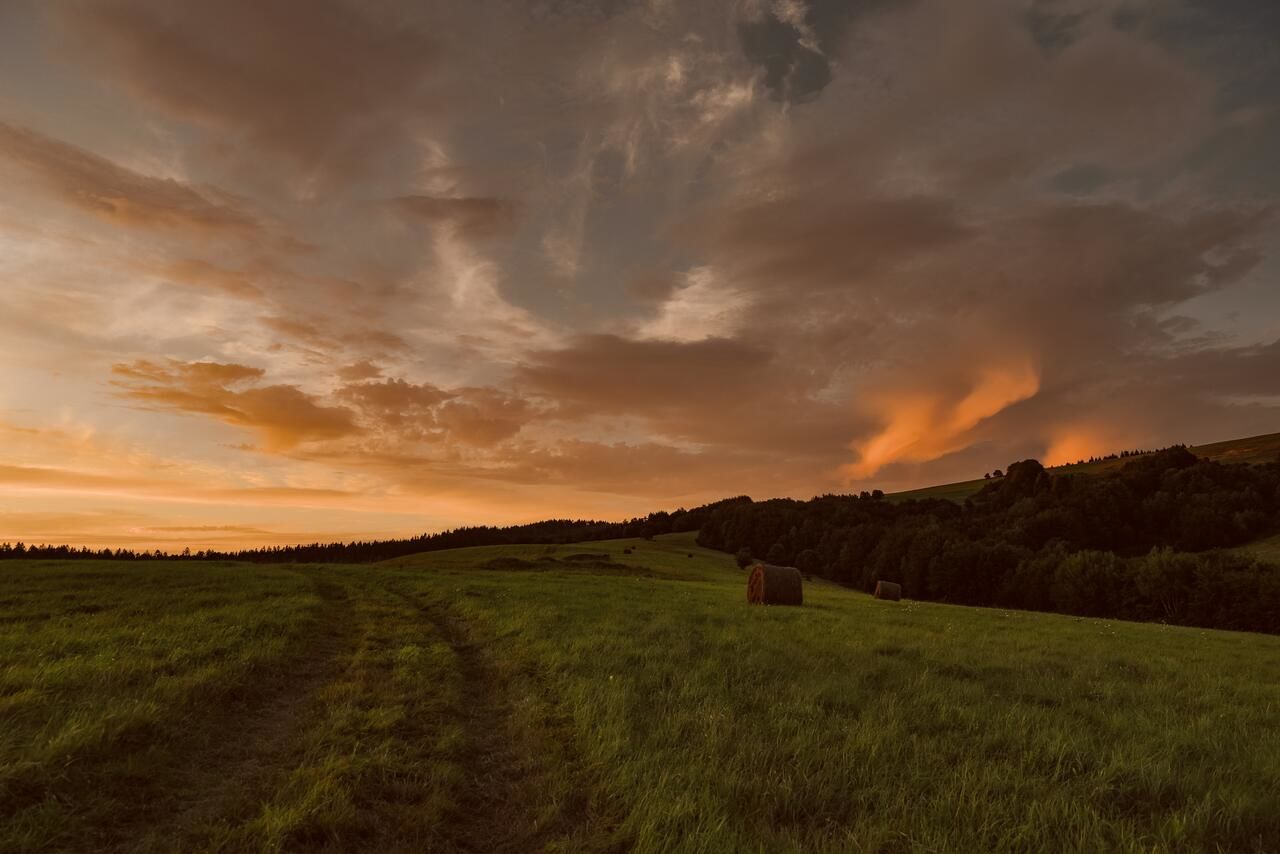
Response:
column 888, row 590
column 775, row 585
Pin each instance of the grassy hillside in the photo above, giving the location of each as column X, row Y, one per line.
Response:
column 1267, row 550
column 956, row 492
column 584, row 698
column 1255, row 449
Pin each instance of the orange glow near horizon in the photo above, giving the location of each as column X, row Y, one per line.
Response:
column 920, row 428
column 1081, row 443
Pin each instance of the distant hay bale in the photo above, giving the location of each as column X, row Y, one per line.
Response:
column 888, row 590
column 775, row 585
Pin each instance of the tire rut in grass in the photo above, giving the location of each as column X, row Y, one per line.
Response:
column 225, row 773
column 502, row 805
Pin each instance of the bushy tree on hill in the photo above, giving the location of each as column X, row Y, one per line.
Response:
column 777, row 554
column 808, row 561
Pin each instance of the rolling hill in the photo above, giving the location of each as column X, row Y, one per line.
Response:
column 606, row 696
column 1267, row 549
column 1255, row 449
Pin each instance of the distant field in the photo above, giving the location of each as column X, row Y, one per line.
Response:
column 1267, row 550
column 579, row 698
column 1256, row 449
column 956, row 492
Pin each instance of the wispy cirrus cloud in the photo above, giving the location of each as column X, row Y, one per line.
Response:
column 114, row 193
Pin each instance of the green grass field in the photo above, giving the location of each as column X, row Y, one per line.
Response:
column 1255, row 449
column 579, row 698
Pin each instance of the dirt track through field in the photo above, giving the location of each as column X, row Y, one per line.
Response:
column 490, row 815
column 227, row 775
column 521, row 786
column 501, row 807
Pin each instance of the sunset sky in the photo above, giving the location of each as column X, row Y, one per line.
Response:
column 310, row 269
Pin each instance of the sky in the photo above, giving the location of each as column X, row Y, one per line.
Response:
column 305, row 270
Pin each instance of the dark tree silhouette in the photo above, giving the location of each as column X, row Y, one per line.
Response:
column 1137, row 542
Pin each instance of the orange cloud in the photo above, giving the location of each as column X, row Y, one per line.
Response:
column 483, row 417
column 478, row 417
column 1081, row 441
column 923, row 427
column 322, row 338
column 114, row 193
column 283, row 415
column 201, row 274
column 404, row 407
column 361, row 370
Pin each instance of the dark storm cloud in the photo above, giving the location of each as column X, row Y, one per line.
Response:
column 1052, row 28
column 943, row 332
column 1080, row 180
column 660, row 374
column 315, row 80
column 793, row 42
column 1235, row 40
column 1245, row 372
column 986, row 309
column 736, row 393
column 811, row 242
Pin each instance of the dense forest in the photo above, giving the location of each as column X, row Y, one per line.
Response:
column 1144, row 542
column 1138, row 543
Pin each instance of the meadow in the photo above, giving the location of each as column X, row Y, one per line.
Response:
column 1253, row 449
column 1266, row 549
column 609, row 696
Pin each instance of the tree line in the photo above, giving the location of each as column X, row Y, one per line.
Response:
column 550, row 531
column 1143, row 542
column 1136, row 452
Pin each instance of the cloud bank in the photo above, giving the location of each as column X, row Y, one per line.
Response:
column 400, row 266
